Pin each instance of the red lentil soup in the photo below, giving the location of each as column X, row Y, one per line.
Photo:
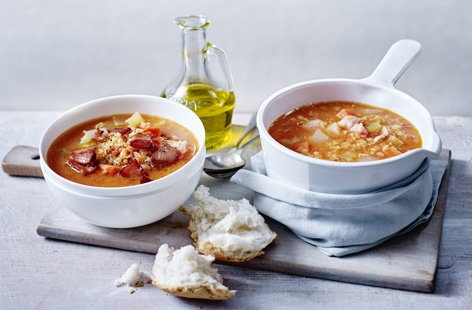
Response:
column 345, row 131
column 121, row 150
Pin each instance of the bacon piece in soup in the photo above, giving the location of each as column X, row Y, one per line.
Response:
column 109, row 169
column 132, row 169
column 143, row 143
column 84, row 156
column 166, row 155
column 98, row 153
column 83, row 161
column 81, row 168
column 122, row 130
column 155, row 132
column 144, row 179
column 101, row 134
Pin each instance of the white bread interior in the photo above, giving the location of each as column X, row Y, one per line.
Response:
column 130, row 277
column 186, row 273
column 230, row 230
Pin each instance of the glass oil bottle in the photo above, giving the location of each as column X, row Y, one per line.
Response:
column 199, row 87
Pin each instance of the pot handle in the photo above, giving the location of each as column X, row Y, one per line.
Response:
column 397, row 59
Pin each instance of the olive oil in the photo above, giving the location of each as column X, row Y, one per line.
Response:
column 204, row 88
column 214, row 108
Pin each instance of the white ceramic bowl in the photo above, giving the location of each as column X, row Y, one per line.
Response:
column 131, row 206
column 377, row 90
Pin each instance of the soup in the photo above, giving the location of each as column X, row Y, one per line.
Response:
column 121, row 150
column 345, row 131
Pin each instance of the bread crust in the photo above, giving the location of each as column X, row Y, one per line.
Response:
column 209, row 292
column 209, row 248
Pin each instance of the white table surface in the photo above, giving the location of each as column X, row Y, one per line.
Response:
column 36, row 273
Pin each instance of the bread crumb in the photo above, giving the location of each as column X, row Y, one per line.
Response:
column 130, row 277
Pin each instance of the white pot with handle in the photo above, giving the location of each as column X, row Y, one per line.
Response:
column 377, row 90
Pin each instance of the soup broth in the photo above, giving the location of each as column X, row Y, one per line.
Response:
column 121, row 150
column 345, row 131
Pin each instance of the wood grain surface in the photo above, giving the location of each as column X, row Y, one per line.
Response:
column 22, row 160
column 407, row 262
column 40, row 273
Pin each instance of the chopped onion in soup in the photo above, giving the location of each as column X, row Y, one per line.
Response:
column 345, row 131
column 121, row 150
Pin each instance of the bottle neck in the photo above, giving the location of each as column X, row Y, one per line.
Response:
column 193, row 46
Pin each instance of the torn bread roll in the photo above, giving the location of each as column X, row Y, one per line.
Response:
column 230, row 230
column 186, row 273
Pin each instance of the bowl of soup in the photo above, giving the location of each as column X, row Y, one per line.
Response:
column 123, row 161
column 348, row 135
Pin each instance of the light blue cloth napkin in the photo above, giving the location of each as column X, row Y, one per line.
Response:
column 344, row 224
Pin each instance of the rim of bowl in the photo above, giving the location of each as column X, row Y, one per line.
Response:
column 118, row 191
column 56, row 183
column 322, row 162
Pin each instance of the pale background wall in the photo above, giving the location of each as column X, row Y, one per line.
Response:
column 55, row 54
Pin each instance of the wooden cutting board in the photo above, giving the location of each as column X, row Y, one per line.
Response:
column 407, row 262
